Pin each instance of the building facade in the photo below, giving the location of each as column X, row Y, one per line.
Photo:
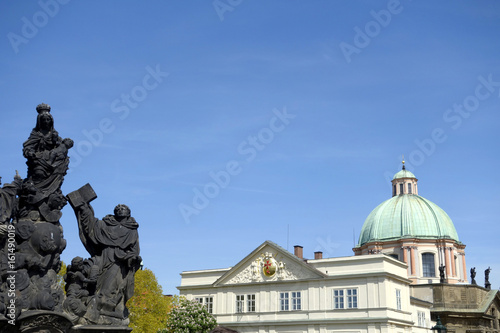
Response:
column 272, row 290
column 408, row 269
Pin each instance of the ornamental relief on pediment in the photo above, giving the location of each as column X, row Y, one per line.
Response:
column 271, row 267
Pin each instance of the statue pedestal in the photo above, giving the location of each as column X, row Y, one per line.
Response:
column 36, row 322
column 100, row 329
column 51, row 322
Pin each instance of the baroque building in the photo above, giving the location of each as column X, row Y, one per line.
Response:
column 408, row 269
column 272, row 290
column 415, row 230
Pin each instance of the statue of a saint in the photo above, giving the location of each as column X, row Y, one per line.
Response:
column 473, row 275
column 113, row 244
column 442, row 274
column 8, row 202
column 487, row 283
column 47, row 159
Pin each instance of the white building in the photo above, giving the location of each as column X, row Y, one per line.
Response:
column 272, row 290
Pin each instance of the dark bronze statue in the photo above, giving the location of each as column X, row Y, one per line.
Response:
column 473, row 275
column 31, row 243
column 442, row 278
column 113, row 244
column 487, row 283
column 31, row 209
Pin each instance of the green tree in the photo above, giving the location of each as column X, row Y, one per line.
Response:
column 148, row 307
column 189, row 317
column 60, row 276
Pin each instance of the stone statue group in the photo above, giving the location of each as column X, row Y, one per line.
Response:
column 31, row 241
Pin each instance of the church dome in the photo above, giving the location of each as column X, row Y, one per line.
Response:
column 404, row 174
column 406, row 215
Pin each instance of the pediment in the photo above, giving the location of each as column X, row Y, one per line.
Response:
column 269, row 263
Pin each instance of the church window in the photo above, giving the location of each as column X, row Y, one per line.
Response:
column 393, row 190
column 401, row 188
column 409, row 188
column 240, row 303
column 398, row 299
column 428, row 267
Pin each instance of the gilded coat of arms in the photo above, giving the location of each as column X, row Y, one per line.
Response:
column 269, row 265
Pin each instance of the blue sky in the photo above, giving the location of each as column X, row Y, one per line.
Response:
column 300, row 109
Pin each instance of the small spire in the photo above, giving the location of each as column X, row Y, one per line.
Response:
column 404, row 162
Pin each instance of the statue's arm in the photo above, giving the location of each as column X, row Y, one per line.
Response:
column 86, row 218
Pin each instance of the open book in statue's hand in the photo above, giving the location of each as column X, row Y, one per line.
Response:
column 84, row 194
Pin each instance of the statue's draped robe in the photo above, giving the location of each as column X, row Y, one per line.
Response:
column 8, row 200
column 53, row 171
column 114, row 246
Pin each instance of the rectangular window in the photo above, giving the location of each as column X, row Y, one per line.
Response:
column 398, row 299
column 291, row 301
column 240, row 303
column 401, row 188
column 207, row 301
column 338, row 299
column 251, row 303
column 352, row 298
column 428, row 267
column 393, row 190
column 296, row 303
column 409, row 188
column 421, row 318
column 284, row 300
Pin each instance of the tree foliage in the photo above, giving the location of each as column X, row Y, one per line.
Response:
column 189, row 317
column 148, row 307
column 60, row 276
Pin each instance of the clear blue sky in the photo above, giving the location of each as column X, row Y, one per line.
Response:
column 160, row 96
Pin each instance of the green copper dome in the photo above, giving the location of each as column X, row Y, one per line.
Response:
column 404, row 174
column 407, row 216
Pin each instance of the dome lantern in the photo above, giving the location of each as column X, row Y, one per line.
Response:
column 404, row 182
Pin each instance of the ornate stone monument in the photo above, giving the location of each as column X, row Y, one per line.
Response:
column 31, row 243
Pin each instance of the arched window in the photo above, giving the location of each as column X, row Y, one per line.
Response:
column 428, row 267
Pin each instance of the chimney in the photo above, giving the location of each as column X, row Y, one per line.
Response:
column 297, row 250
column 318, row 255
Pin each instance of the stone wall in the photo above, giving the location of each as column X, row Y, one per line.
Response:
column 462, row 308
